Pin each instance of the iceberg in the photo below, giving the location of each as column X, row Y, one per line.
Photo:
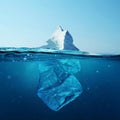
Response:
column 58, row 85
column 60, row 40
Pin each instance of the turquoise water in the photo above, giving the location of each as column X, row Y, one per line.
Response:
column 19, row 82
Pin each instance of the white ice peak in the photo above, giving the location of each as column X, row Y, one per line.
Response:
column 58, row 37
column 60, row 40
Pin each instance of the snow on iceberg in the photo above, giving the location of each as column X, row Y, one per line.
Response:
column 60, row 40
column 58, row 85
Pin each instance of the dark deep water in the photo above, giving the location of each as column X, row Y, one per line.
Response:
column 100, row 100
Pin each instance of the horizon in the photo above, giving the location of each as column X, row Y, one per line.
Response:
column 94, row 25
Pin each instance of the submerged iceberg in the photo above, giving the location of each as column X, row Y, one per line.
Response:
column 58, row 85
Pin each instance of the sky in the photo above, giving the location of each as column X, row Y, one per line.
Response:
column 94, row 24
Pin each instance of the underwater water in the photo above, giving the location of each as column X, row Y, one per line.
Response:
column 21, row 74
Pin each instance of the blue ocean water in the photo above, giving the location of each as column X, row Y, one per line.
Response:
column 19, row 82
